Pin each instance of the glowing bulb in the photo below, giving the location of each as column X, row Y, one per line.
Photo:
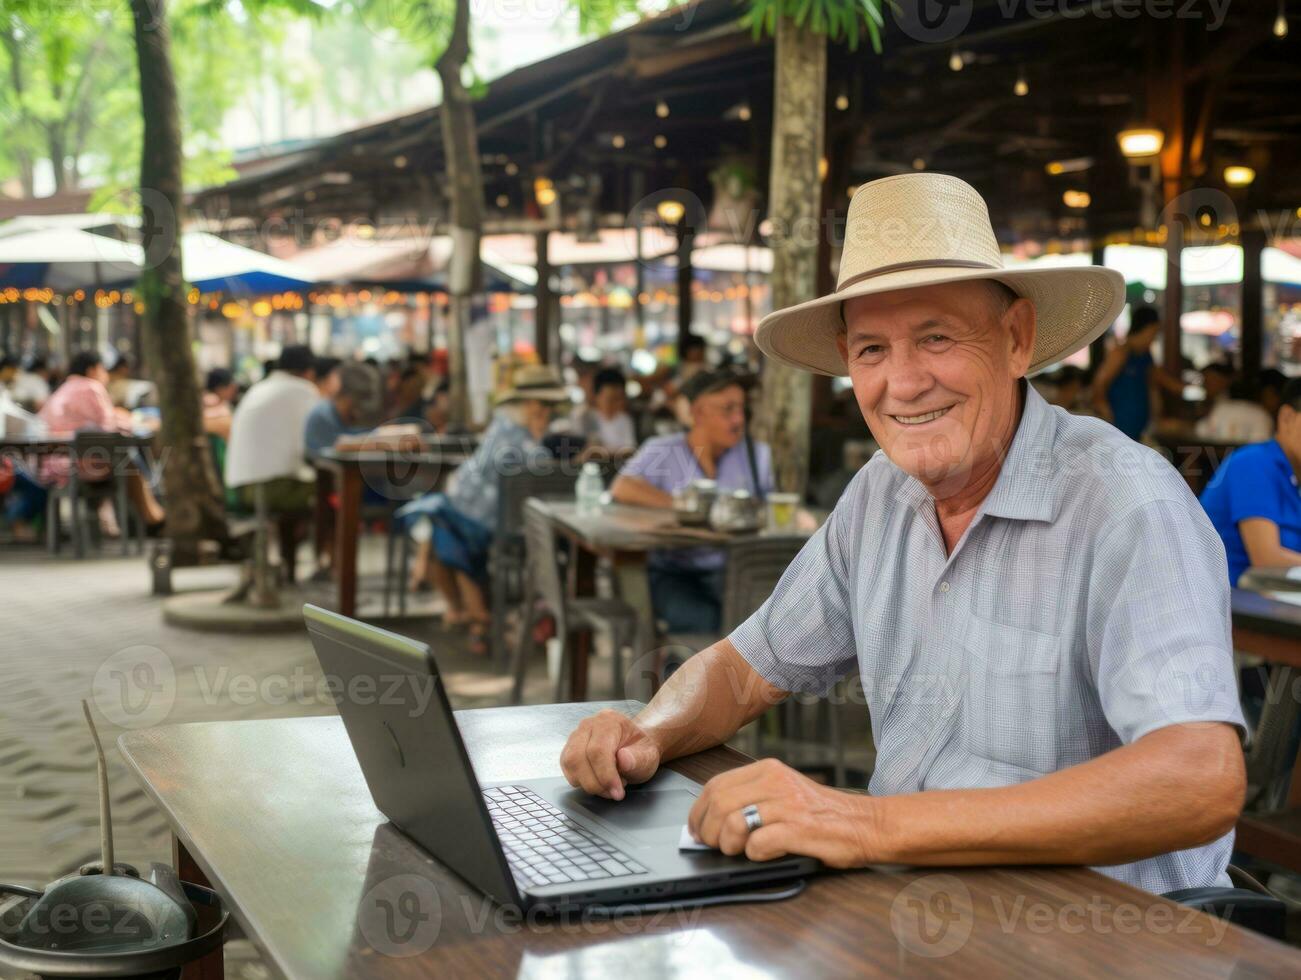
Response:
column 1022, row 87
column 512, row 169
column 955, row 61
column 743, row 113
column 618, row 142
column 671, row 211
column 662, row 109
column 502, row 200
column 661, row 141
column 1239, row 176
column 842, row 101
column 1280, row 24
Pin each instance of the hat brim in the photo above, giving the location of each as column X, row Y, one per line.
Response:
column 554, row 395
column 1073, row 307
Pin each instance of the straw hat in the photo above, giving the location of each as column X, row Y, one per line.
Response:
column 535, row 382
column 925, row 229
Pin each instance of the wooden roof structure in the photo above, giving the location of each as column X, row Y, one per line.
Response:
column 1214, row 77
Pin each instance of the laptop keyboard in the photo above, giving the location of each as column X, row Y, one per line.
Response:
column 545, row 847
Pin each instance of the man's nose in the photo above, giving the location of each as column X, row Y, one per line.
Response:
column 908, row 379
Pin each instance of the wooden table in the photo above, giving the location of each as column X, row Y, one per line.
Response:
column 276, row 815
column 399, row 475
column 624, row 536
column 1271, row 629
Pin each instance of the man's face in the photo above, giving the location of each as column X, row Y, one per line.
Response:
column 228, row 392
column 1215, row 384
column 719, row 416
column 611, row 400
column 934, row 371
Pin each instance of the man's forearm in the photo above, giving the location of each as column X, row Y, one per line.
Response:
column 706, row 701
column 1175, row 788
column 634, row 490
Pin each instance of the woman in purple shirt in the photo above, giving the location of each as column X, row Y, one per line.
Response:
column 686, row 584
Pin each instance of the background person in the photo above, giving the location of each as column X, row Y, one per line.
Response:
column 352, row 411
column 686, row 585
column 1233, row 415
column 81, row 403
column 1253, row 500
column 464, row 518
column 1127, row 385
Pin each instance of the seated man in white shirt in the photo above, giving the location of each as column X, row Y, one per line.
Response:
column 266, row 435
column 607, row 424
column 1234, row 417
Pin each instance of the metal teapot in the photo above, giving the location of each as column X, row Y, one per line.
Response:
column 736, row 511
column 692, row 503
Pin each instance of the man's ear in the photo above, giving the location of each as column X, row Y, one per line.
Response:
column 842, row 345
column 1022, row 325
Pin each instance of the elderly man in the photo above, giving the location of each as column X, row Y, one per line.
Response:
column 1035, row 604
column 686, row 584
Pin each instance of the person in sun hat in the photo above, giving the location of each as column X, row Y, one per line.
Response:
column 464, row 518
column 1035, row 604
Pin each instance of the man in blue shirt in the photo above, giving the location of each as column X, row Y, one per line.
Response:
column 686, row 585
column 1254, row 501
column 351, row 411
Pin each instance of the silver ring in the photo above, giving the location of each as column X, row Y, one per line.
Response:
column 752, row 819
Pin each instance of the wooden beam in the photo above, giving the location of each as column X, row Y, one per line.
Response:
column 1253, row 288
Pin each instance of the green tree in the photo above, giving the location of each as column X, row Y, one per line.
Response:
column 58, row 62
column 194, row 509
column 801, row 30
column 446, row 27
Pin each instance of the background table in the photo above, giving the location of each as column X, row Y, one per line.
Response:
column 277, row 816
column 1271, row 629
column 400, row 475
column 625, row 536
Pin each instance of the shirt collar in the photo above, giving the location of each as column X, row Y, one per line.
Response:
column 1026, row 489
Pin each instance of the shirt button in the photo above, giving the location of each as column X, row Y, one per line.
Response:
column 944, row 586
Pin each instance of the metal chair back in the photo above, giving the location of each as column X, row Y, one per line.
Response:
column 551, row 480
column 753, row 569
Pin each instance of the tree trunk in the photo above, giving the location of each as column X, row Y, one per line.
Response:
column 193, row 496
column 794, row 195
column 465, row 192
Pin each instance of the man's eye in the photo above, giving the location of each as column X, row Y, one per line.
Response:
column 871, row 350
column 936, row 339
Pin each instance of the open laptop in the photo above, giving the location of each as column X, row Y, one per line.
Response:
column 531, row 842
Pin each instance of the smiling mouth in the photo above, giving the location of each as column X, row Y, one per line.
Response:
column 921, row 419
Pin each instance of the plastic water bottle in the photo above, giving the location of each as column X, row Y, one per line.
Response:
column 588, row 489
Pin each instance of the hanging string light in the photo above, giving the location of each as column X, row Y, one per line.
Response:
column 743, row 112
column 955, row 60
column 1022, row 87
column 1280, row 22
column 842, row 100
column 662, row 109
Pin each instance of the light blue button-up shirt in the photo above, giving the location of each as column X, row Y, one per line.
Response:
column 1086, row 605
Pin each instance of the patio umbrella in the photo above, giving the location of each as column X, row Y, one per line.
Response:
column 66, row 258
column 214, row 265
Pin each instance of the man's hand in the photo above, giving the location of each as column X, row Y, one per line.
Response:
column 799, row 817
column 607, row 751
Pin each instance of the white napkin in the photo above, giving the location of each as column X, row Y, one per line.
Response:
column 688, row 843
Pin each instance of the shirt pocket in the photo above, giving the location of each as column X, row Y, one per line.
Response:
column 1010, row 701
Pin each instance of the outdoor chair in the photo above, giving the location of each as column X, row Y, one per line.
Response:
column 754, row 566
column 507, row 554
column 84, row 497
column 542, row 580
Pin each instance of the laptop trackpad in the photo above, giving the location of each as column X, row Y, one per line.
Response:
column 640, row 810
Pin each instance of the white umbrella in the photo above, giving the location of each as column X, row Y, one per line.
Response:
column 66, row 258
column 213, row 264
